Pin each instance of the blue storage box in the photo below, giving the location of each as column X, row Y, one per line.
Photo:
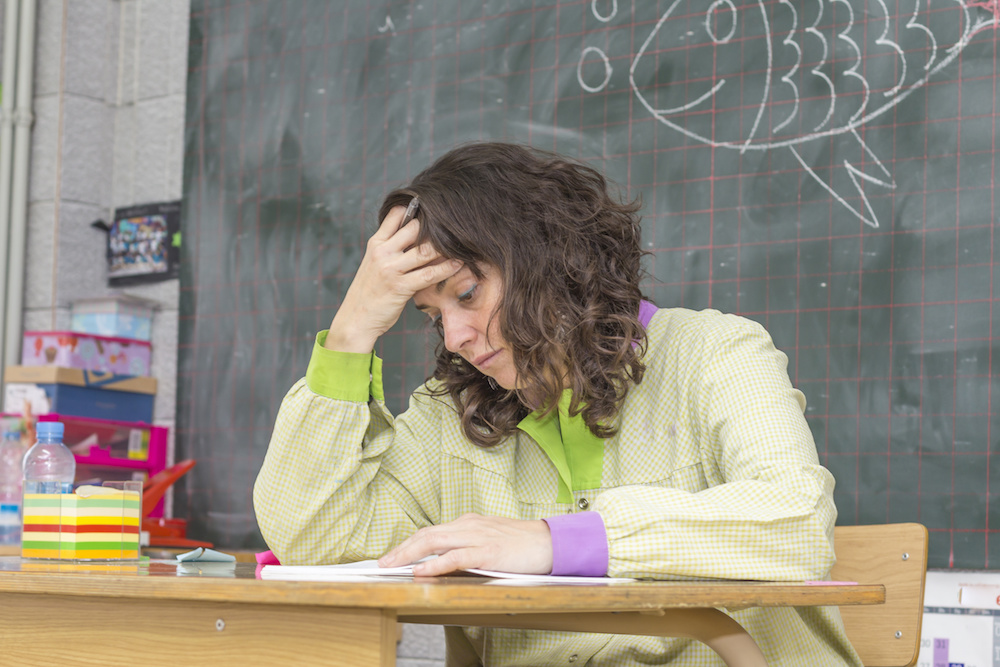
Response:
column 74, row 391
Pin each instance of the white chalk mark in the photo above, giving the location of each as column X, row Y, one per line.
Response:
column 822, row 61
column 695, row 102
column 604, row 19
column 708, row 21
column 388, row 26
column 864, row 115
column 952, row 53
column 852, row 71
column 854, row 173
column 981, row 24
column 882, row 41
column 913, row 25
column 767, row 79
column 788, row 41
column 607, row 70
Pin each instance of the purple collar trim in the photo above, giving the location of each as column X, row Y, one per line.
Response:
column 646, row 312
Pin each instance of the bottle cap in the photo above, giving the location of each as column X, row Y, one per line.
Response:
column 50, row 429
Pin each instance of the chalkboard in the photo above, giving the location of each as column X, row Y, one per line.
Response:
column 825, row 167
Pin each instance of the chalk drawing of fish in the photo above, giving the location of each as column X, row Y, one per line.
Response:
column 780, row 74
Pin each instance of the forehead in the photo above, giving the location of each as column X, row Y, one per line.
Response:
column 428, row 297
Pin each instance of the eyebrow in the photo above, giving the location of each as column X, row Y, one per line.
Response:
column 437, row 288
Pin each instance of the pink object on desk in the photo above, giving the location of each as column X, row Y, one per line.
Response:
column 266, row 558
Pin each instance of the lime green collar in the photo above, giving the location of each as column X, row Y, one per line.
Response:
column 577, row 454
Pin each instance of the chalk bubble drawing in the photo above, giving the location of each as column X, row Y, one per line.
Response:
column 604, row 18
column 607, row 70
column 799, row 71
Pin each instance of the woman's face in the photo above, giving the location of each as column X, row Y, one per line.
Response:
column 465, row 305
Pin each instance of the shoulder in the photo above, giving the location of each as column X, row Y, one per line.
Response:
column 432, row 398
column 682, row 331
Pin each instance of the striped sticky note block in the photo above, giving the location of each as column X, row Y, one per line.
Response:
column 101, row 524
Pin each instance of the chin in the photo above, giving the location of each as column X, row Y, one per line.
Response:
column 505, row 381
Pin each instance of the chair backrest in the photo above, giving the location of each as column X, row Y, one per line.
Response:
column 895, row 555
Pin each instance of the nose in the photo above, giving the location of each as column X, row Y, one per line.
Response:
column 458, row 330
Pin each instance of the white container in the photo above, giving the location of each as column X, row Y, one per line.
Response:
column 120, row 315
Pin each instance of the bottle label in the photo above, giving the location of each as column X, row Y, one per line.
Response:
column 138, row 444
column 38, row 486
column 10, row 515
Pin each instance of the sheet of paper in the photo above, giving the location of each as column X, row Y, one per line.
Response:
column 367, row 568
column 370, row 569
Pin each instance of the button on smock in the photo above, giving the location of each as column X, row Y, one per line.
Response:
column 583, row 503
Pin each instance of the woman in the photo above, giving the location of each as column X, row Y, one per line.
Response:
column 570, row 427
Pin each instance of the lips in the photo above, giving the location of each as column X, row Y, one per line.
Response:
column 485, row 359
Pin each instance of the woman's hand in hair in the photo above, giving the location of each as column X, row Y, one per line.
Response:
column 391, row 272
column 476, row 541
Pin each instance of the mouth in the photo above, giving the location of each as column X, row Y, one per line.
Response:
column 484, row 360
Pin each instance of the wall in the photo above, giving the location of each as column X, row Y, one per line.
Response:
column 109, row 119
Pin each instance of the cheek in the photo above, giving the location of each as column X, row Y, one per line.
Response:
column 491, row 326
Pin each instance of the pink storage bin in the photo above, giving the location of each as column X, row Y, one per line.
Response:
column 107, row 450
column 123, row 356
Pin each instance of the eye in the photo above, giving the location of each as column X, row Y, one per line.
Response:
column 468, row 294
column 721, row 14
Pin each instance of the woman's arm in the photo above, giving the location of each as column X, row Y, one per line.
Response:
column 318, row 490
column 768, row 511
column 321, row 496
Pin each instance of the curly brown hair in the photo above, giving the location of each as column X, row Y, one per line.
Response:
column 570, row 259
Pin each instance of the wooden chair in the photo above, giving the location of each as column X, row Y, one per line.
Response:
column 885, row 635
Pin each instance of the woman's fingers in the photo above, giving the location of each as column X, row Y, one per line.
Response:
column 390, row 224
column 395, row 249
column 474, row 541
column 435, row 272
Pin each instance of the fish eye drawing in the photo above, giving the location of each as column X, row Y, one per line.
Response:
column 809, row 71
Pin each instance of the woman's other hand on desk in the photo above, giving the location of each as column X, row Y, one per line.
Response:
column 391, row 272
column 475, row 541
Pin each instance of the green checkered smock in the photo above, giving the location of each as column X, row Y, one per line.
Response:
column 713, row 473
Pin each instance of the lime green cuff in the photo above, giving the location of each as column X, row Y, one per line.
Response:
column 344, row 376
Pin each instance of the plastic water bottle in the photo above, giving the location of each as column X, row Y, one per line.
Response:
column 11, row 454
column 49, row 466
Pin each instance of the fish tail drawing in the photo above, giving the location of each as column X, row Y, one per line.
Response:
column 869, row 171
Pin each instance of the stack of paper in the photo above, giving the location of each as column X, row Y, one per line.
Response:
column 369, row 570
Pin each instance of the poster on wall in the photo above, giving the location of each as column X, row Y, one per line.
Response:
column 144, row 244
column 961, row 622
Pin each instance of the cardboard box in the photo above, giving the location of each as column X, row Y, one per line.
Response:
column 125, row 356
column 73, row 391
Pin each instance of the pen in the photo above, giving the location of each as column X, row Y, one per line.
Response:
column 411, row 211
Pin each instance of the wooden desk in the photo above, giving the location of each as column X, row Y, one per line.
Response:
column 53, row 613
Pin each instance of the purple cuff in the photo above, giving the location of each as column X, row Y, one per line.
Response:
column 579, row 544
